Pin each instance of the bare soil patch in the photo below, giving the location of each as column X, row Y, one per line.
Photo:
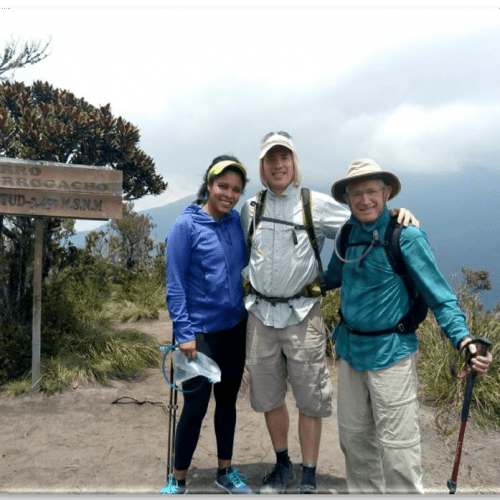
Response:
column 78, row 441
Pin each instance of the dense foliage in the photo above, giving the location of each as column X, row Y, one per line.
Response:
column 40, row 122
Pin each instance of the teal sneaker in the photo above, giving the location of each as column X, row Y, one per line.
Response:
column 173, row 487
column 233, row 482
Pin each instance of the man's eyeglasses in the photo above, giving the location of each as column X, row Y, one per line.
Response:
column 371, row 193
column 284, row 134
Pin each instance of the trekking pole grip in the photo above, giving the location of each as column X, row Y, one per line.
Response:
column 483, row 344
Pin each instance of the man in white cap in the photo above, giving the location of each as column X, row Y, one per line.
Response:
column 286, row 336
column 377, row 378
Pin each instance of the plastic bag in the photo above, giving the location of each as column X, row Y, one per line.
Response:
column 185, row 369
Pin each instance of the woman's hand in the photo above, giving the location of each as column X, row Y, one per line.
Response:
column 188, row 348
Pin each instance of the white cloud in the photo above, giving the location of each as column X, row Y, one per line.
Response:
column 346, row 82
column 143, row 59
column 421, row 139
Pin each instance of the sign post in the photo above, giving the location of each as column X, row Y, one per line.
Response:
column 36, row 335
column 42, row 189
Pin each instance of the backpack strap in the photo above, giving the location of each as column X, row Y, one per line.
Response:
column 345, row 232
column 395, row 256
column 409, row 322
column 305, row 194
column 259, row 205
column 418, row 308
column 393, row 248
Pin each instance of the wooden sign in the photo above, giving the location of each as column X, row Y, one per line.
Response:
column 43, row 189
column 39, row 188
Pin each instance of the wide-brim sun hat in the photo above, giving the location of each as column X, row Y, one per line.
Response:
column 273, row 139
column 365, row 169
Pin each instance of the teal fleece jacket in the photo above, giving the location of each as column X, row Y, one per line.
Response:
column 374, row 297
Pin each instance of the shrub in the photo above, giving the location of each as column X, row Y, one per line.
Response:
column 15, row 352
column 113, row 354
column 440, row 386
column 142, row 299
column 80, row 304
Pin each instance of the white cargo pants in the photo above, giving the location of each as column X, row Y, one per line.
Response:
column 378, row 428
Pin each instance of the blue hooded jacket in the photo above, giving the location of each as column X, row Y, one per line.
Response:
column 204, row 263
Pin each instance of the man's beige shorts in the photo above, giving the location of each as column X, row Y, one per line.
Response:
column 295, row 353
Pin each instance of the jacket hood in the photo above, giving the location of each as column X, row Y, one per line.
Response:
column 201, row 217
column 297, row 177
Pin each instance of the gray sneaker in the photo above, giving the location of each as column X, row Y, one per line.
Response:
column 307, row 489
column 276, row 482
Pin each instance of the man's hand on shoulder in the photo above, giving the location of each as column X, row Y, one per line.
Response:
column 405, row 217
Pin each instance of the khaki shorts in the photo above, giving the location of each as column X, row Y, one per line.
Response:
column 295, row 353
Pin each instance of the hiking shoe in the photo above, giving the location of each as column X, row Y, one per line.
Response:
column 308, row 489
column 233, row 482
column 173, row 487
column 277, row 481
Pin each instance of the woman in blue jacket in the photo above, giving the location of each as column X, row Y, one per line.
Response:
column 205, row 252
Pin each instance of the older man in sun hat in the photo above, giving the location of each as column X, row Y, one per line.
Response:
column 377, row 380
column 286, row 338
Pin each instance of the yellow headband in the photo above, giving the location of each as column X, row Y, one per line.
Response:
column 218, row 168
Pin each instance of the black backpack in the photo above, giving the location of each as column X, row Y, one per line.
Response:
column 305, row 194
column 418, row 307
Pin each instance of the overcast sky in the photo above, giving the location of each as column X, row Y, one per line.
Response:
column 417, row 89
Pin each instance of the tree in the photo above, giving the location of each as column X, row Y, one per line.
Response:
column 130, row 241
column 127, row 242
column 15, row 57
column 469, row 291
column 476, row 281
column 39, row 122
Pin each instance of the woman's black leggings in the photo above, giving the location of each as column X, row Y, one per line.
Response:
column 227, row 349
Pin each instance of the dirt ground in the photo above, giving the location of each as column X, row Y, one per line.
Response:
column 81, row 441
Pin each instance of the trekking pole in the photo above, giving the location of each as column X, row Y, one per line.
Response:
column 172, row 410
column 482, row 349
column 183, row 369
column 172, row 426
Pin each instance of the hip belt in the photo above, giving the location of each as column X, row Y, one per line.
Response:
column 275, row 300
